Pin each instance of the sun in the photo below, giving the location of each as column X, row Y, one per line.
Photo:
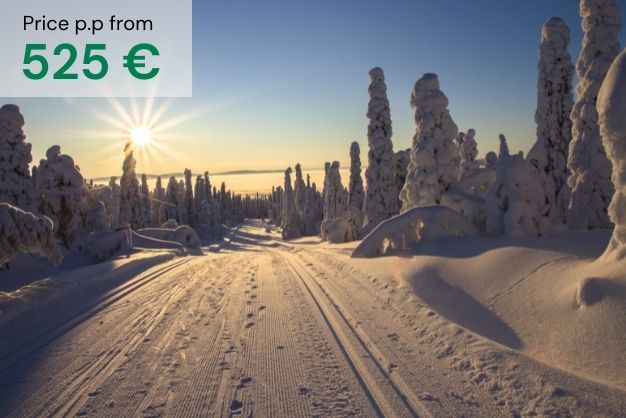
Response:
column 140, row 136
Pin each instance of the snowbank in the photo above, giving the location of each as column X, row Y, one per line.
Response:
column 414, row 225
column 546, row 297
column 183, row 235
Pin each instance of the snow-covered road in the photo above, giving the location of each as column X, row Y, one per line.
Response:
column 269, row 329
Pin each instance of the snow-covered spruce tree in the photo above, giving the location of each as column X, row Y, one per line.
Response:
column 130, row 194
column 291, row 227
column 16, row 186
column 94, row 209
column 60, row 191
column 590, row 169
column 503, row 153
column 554, row 126
column 381, row 197
column 491, row 160
column 189, row 205
column 25, row 232
column 334, row 199
column 144, row 214
column 355, row 186
column 180, row 203
column 432, row 169
column 468, row 153
column 299, row 189
column 213, row 205
column 612, row 118
column 202, row 209
column 114, row 211
column 158, row 208
column 171, row 199
column 401, row 161
column 311, row 214
column 515, row 203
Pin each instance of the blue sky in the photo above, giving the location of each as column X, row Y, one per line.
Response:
column 280, row 82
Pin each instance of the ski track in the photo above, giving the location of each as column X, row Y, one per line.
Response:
column 275, row 330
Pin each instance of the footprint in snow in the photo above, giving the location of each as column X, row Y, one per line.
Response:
column 236, row 406
column 249, row 325
column 244, row 382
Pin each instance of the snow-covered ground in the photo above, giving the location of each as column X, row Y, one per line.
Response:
column 477, row 327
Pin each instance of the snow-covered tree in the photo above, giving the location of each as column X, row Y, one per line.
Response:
column 291, row 227
column 401, row 161
column 189, row 202
column 16, row 186
column 612, row 118
column 158, row 208
column 468, row 153
column 590, row 169
column 114, row 211
column 181, row 203
column 94, row 209
column 432, row 169
column 334, row 199
column 504, row 153
column 381, row 198
column 355, row 186
column 515, row 204
column 202, row 209
column 130, row 194
column 491, row 160
column 299, row 189
column 171, row 197
column 311, row 216
column 144, row 212
column 60, row 191
column 554, row 126
column 25, row 232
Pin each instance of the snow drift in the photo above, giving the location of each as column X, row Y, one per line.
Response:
column 411, row 226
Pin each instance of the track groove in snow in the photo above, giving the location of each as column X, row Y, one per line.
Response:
column 388, row 399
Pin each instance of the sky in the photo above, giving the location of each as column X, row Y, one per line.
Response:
column 280, row 82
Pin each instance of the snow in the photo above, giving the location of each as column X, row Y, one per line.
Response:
column 291, row 221
column 22, row 231
column 381, row 198
column 590, row 170
column 432, row 169
column 515, row 204
column 554, row 106
column 355, row 184
column 15, row 156
column 335, row 197
column 504, row 153
column 338, row 230
column 612, row 119
column 60, row 194
column 131, row 212
column 412, row 226
column 183, row 235
column 468, row 152
column 443, row 328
